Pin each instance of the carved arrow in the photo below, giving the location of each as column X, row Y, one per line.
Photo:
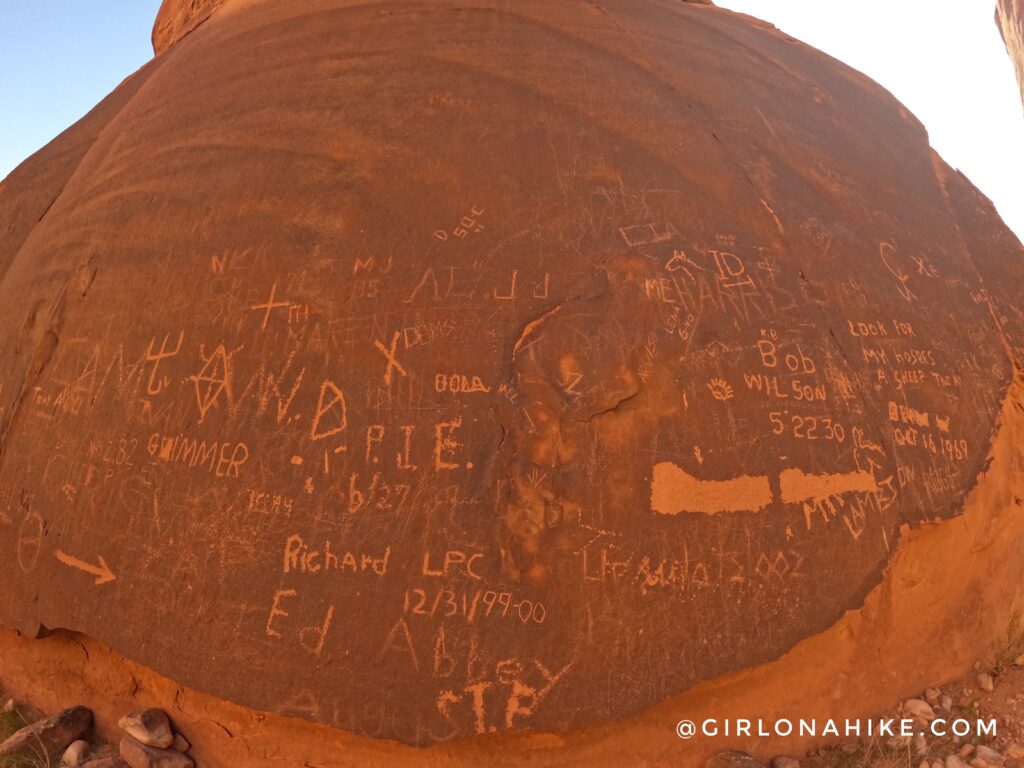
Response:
column 102, row 571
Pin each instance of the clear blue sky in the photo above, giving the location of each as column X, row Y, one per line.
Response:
column 944, row 60
column 58, row 58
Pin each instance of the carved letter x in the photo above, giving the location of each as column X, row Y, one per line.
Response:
column 393, row 364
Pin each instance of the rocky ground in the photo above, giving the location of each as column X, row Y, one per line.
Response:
column 30, row 739
column 993, row 691
column 989, row 695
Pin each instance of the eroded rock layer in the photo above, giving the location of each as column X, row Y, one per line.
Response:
column 176, row 18
column 449, row 368
column 1010, row 18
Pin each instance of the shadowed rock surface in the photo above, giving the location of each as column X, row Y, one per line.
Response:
column 1010, row 18
column 453, row 368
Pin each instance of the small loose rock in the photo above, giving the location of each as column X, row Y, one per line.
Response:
column 786, row 762
column 986, row 683
column 920, row 744
column 919, row 708
column 899, row 742
column 150, row 727
column 75, row 754
column 988, row 756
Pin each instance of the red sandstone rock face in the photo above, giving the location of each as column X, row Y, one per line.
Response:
column 1010, row 18
column 449, row 369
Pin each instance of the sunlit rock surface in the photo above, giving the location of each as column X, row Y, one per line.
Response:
column 176, row 18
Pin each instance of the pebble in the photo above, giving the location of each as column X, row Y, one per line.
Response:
column 947, row 703
column 786, row 762
column 919, row 708
column 896, row 742
column 952, row 761
column 989, row 756
column 932, row 695
column 75, row 754
column 920, row 744
column 986, row 683
column 966, row 750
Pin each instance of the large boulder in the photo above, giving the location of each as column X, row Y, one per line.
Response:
column 1010, row 18
column 430, row 369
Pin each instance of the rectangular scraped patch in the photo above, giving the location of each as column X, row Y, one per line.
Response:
column 674, row 490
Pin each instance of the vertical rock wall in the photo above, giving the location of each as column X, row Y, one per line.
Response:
column 433, row 368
